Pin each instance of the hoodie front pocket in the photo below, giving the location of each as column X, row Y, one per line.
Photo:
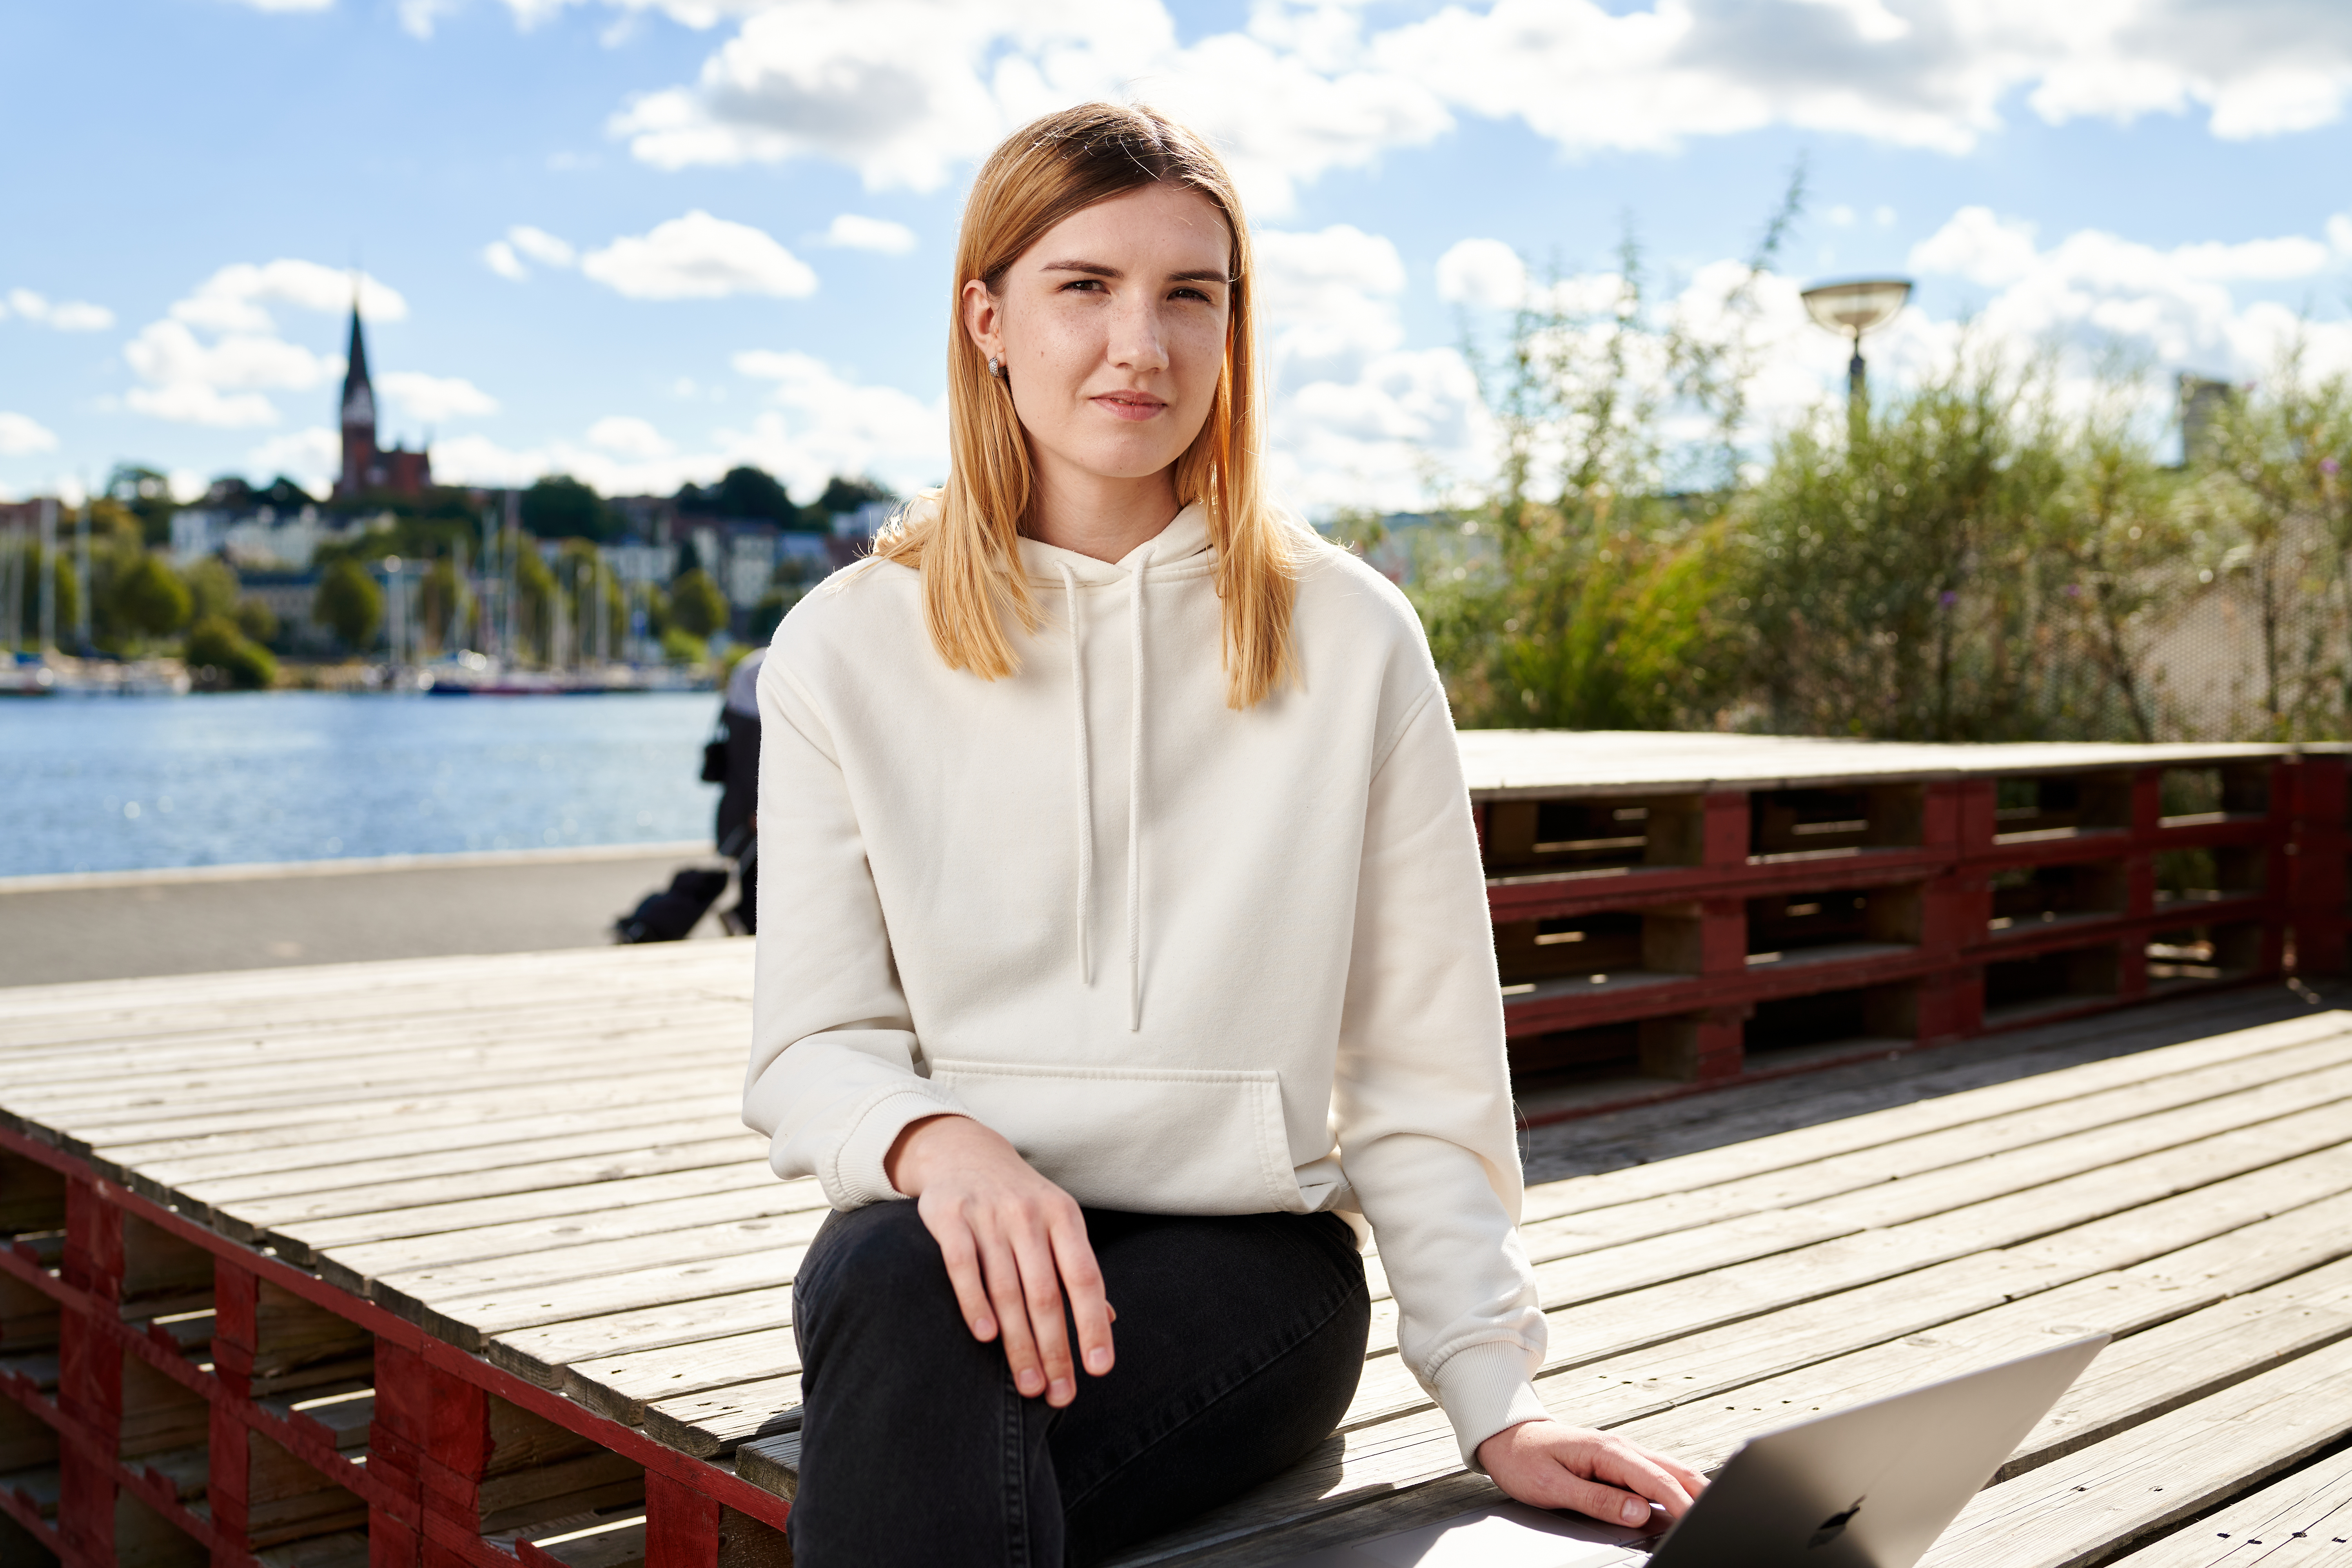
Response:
column 1148, row 1141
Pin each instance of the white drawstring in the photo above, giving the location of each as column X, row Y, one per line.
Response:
column 1086, row 780
column 1135, row 813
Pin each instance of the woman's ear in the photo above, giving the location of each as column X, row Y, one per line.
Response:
column 983, row 320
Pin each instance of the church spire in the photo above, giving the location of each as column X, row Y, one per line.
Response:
column 358, row 393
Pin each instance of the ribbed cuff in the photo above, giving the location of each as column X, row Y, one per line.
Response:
column 858, row 1177
column 1484, row 1388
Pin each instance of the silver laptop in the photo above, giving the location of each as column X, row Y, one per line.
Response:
column 1869, row 1486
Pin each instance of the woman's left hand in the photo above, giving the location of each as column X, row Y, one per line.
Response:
column 1551, row 1465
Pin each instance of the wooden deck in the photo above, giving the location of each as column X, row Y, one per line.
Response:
column 470, row 1261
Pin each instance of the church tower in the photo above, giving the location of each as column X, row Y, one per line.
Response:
column 369, row 467
column 360, row 470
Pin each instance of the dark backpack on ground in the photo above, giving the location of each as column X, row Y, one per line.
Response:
column 668, row 916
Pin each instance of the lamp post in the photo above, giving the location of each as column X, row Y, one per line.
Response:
column 1852, row 310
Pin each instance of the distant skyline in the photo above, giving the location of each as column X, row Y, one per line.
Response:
column 640, row 240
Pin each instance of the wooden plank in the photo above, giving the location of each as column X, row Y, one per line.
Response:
column 635, row 1229
column 541, row 1353
column 485, row 1121
column 712, row 1422
column 254, row 1217
column 65, row 1063
column 2154, row 1370
column 469, row 1323
column 2072, row 1512
column 299, row 1242
column 2304, row 1520
column 620, row 1386
column 1753, row 1156
column 1417, row 1448
column 1993, row 1138
column 548, row 1268
column 237, row 1193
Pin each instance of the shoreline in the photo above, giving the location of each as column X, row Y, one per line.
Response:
column 347, row 866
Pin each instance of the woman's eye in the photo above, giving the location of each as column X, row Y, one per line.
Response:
column 1092, row 285
column 1192, row 294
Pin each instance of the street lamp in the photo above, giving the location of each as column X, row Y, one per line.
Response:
column 1852, row 310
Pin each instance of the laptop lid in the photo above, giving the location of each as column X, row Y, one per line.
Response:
column 1868, row 1486
column 1873, row 1485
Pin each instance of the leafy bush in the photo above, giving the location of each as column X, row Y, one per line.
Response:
column 215, row 643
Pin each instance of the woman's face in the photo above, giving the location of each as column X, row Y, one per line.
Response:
column 1112, row 331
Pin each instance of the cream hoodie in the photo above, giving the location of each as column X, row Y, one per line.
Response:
column 1187, row 960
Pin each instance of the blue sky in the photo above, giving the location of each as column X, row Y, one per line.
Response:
column 605, row 237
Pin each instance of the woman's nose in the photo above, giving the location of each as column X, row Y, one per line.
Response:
column 1136, row 342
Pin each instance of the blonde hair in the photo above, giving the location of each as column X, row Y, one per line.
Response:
column 965, row 542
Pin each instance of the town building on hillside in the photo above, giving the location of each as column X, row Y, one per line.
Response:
column 369, row 468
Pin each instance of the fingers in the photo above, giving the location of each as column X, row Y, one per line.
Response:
column 1042, row 1293
column 1004, row 1291
column 1648, row 1476
column 1074, row 1256
column 961, row 1252
column 1603, row 1502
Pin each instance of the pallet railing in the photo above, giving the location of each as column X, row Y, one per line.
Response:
column 1658, row 935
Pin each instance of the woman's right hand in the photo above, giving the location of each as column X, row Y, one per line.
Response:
column 1013, row 1242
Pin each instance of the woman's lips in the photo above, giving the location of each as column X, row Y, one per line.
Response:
column 1129, row 405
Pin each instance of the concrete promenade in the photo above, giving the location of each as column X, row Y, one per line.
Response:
column 117, row 925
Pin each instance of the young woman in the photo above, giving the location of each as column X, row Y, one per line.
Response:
column 1125, row 913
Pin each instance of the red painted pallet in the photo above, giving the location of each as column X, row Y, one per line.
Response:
column 1673, row 913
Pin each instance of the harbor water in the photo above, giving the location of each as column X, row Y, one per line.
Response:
column 136, row 782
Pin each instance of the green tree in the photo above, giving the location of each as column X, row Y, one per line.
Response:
column 697, row 607
column 213, row 588
column 1898, row 580
column 215, row 644
column 537, row 594
column 560, row 507
column 150, row 598
column 348, row 604
column 257, row 620
column 744, row 491
column 2269, row 518
column 147, row 492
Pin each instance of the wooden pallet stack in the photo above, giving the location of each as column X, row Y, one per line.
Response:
column 470, row 1262
column 1687, row 909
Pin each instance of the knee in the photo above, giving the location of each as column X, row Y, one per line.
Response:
column 874, row 1267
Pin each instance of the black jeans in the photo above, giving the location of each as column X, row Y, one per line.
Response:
column 1239, row 1338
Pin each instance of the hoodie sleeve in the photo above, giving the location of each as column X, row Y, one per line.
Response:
column 1423, row 1095
column 832, row 1078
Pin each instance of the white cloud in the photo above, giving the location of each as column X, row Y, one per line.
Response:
column 906, row 92
column 417, row 17
column 221, row 382
column 540, row 245
column 433, row 398
column 499, row 258
column 1329, row 300
column 21, row 436
column 626, row 436
column 310, row 458
column 1975, row 245
column 820, row 424
column 699, row 256
column 1482, row 272
column 194, row 403
column 233, row 298
column 851, row 232
column 63, row 315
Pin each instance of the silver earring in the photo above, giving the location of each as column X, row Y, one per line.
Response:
column 997, row 367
